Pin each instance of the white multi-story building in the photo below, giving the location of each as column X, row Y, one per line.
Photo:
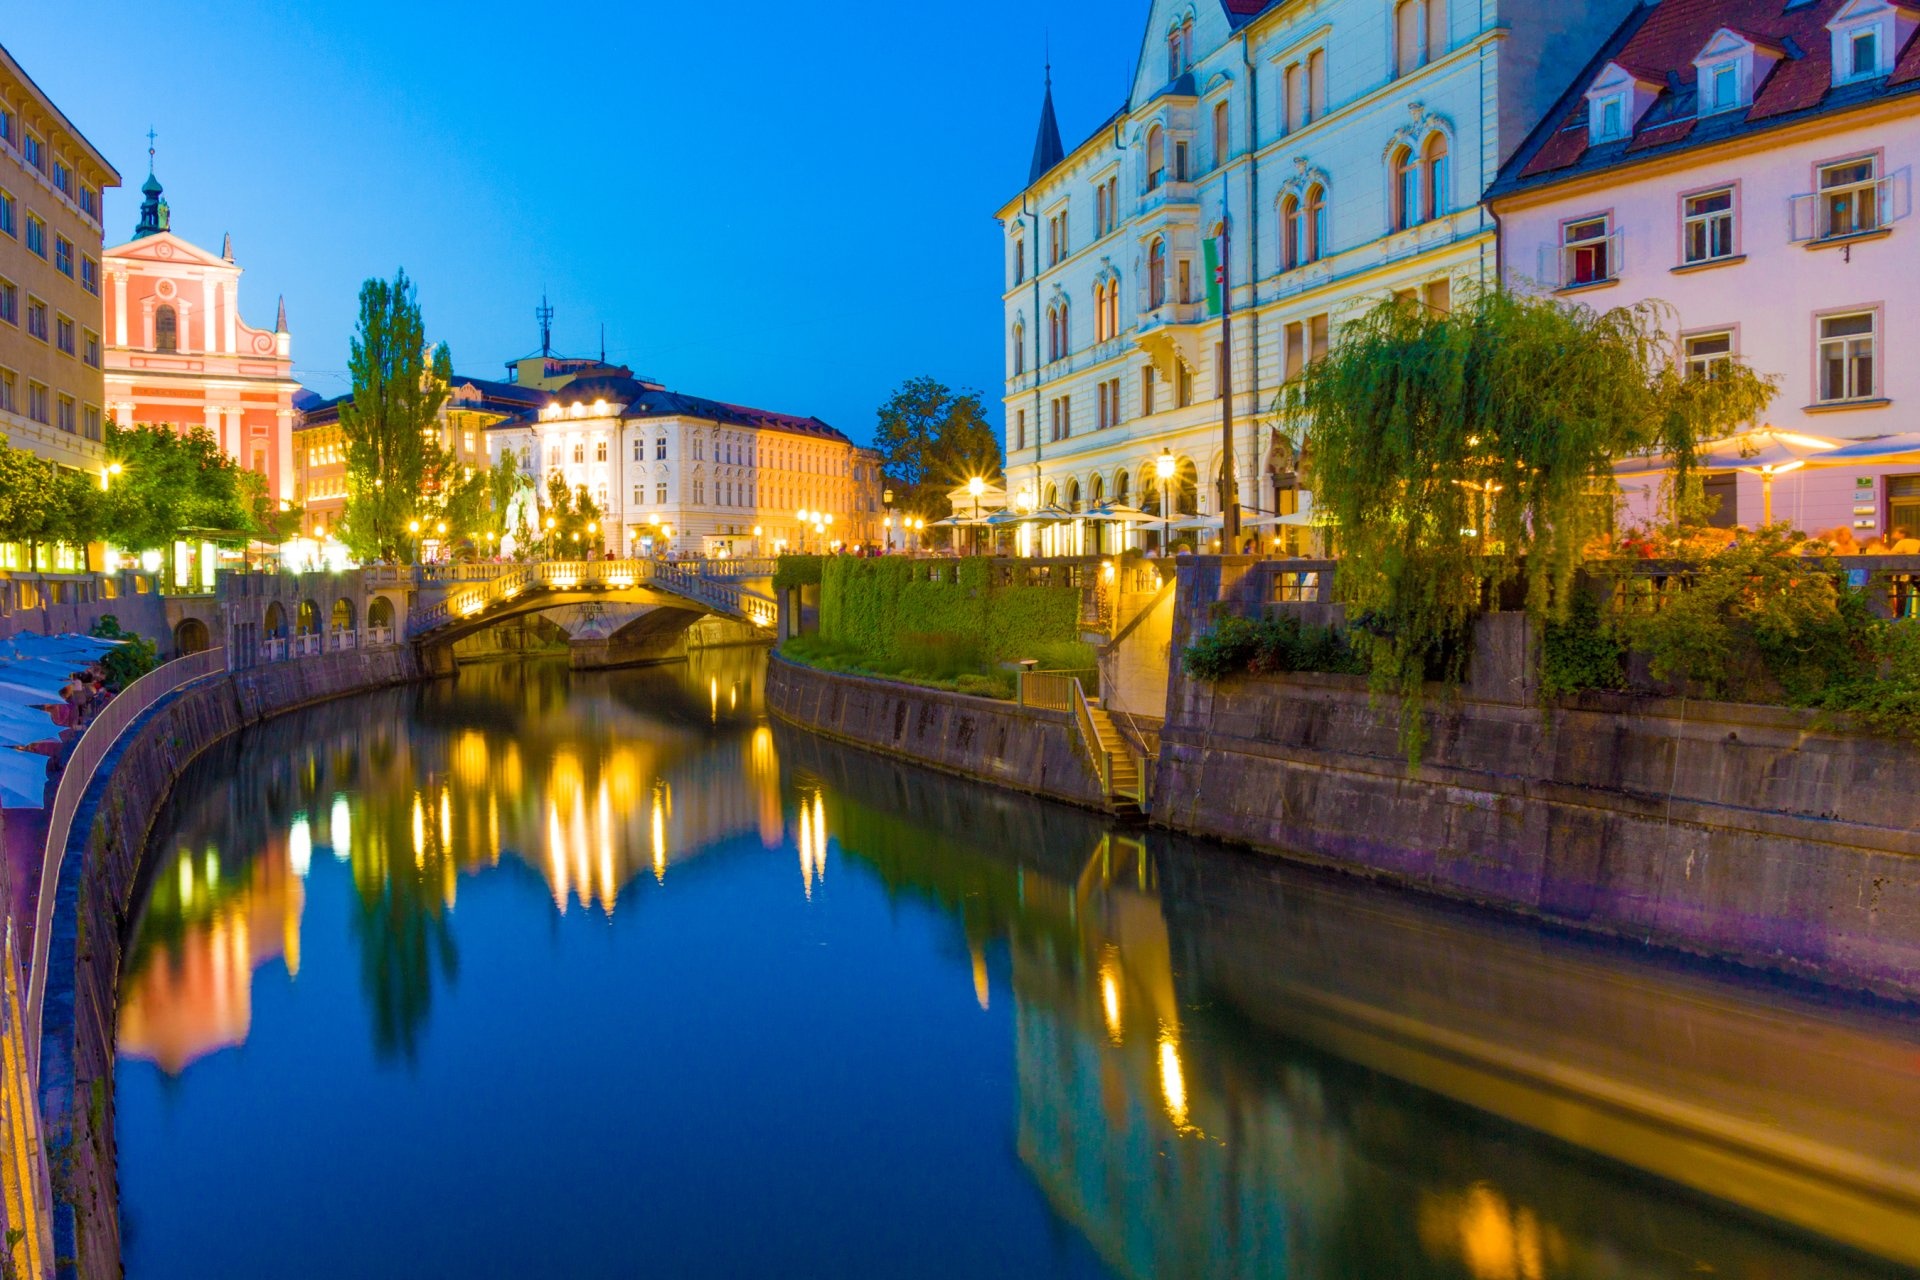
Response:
column 1339, row 147
column 677, row 473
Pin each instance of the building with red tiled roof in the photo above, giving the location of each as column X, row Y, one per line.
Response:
column 1749, row 163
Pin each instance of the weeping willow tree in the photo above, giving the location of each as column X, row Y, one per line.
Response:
column 1467, row 456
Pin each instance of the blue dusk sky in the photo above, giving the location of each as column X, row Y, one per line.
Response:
column 791, row 206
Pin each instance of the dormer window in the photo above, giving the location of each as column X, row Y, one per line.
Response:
column 1723, row 88
column 1863, row 54
column 1866, row 33
column 1610, row 124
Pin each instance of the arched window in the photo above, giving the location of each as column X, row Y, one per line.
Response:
column 1113, row 307
column 1436, row 29
column 1073, row 495
column 1316, row 220
column 166, row 330
column 1019, row 258
column 1317, row 84
column 1439, row 177
column 1100, row 333
column 1157, row 275
column 1406, row 189
column 1156, row 157
column 1066, row 336
column 1293, row 238
column 1096, row 491
column 1019, row 349
column 1186, row 488
column 1408, row 48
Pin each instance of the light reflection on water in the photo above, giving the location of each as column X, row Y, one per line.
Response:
column 513, row 974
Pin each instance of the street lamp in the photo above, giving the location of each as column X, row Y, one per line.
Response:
column 976, row 486
column 1164, row 465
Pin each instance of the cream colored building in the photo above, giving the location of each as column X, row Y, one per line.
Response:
column 1339, row 147
column 52, row 389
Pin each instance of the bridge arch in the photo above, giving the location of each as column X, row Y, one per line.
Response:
column 275, row 624
column 307, row 620
column 191, row 636
column 380, row 612
column 343, row 614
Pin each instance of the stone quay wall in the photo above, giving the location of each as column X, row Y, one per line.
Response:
column 1758, row 835
column 1024, row 748
column 98, row 893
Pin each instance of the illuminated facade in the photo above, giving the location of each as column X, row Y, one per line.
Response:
column 52, row 393
column 1340, row 146
column 678, row 473
column 178, row 352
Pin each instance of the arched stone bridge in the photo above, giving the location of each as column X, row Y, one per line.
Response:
column 614, row 612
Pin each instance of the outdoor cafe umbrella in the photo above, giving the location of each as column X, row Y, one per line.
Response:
column 1767, row 452
column 1120, row 512
column 23, row 779
column 1895, row 449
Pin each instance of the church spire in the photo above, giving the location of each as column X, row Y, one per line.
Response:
column 280, row 325
column 226, row 248
column 155, row 216
column 1047, row 150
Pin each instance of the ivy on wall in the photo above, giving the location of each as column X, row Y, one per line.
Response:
column 797, row 571
column 888, row 608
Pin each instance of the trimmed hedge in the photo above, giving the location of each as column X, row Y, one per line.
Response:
column 797, row 571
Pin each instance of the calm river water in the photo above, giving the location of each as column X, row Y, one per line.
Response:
column 531, row 974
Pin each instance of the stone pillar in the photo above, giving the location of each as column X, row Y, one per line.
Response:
column 183, row 326
column 119, row 307
column 207, row 305
column 230, row 300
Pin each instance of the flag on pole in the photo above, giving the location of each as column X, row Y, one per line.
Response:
column 1216, row 276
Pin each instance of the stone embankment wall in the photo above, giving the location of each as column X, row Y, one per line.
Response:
column 1024, row 748
column 1747, row 833
column 97, row 896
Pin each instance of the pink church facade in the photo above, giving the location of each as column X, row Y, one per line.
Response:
column 1751, row 166
column 178, row 352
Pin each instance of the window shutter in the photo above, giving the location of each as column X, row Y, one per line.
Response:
column 1803, row 217
column 1616, row 256
column 1893, row 196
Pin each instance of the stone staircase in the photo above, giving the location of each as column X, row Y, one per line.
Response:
column 1124, row 773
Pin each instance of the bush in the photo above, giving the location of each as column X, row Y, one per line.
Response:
column 1268, row 646
column 797, row 571
column 1886, row 697
column 1581, row 652
column 127, row 661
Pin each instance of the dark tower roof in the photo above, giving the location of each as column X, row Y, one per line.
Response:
column 1047, row 149
column 155, row 217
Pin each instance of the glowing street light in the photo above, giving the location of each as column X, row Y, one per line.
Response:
column 1164, row 465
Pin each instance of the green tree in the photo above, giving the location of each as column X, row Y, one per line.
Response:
column 395, row 464
column 575, row 517
column 477, row 503
column 934, row 440
column 29, row 496
column 1466, row 452
column 169, row 481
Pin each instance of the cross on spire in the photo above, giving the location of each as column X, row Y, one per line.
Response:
column 152, row 137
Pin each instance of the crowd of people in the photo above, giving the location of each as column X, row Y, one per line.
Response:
column 82, row 697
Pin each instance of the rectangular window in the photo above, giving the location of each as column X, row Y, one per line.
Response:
column 36, row 235
column 9, row 302
column 660, row 449
column 600, row 451
column 9, row 391
column 37, row 406
column 1438, row 295
column 90, row 202
column 1317, row 337
column 90, row 275
column 1296, row 102
column 63, row 178
column 1708, row 354
column 1612, row 122
column 660, row 492
column 1863, row 53
column 1019, row 259
column 579, row 451
column 69, row 421
column 91, row 422
column 1586, row 255
column 1182, row 170
column 90, row 348
column 1724, row 87
column 63, row 334
column 1316, row 84
column 9, row 213
column 1296, row 350
column 1846, row 357
column 1708, row 231
column 36, row 319
column 1113, row 398
column 1020, row 429
column 1146, row 390
column 1100, row 422
column 1182, row 386
column 6, row 125
column 1183, row 272
column 34, row 150
column 63, row 256
column 1849, row 198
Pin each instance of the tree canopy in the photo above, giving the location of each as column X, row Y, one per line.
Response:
column 934, row 440
column 169, row 481
column 396, row 469
column 576, row 520
column 1458, row 453
column 40, row 503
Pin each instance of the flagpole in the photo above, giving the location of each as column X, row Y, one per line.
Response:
column 1229, row 478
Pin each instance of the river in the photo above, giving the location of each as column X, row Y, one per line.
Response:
column 535, row 974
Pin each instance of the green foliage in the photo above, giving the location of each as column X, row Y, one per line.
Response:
column 132, row 658
column 1579, row 651
column 934, row 440
column 172, row 481
column 1760, row 621
column 797, row 571
column 396, row 468
column 1886, row 697
column 575, row 521
column 1268, row 646
column 1459, row 452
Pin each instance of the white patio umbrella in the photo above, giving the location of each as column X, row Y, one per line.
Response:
column 1767, row 452
column 23, row 779
column 1894, row 449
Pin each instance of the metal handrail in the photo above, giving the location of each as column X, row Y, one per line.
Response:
column 82, row 764
column 1090, row 737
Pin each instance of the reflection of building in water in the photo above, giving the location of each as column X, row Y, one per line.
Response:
column 191, row 994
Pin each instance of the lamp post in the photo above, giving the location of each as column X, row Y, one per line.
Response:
column 886, row 497
column 976, row 486
column 1164, row 466
column 756, row 540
